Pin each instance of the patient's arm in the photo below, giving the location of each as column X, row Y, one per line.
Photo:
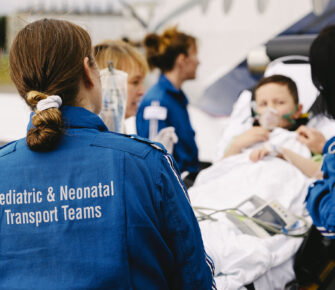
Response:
column 245, row 140
column 259, row 154
column 307, row 166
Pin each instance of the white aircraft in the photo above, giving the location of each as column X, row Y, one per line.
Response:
column 227, row 30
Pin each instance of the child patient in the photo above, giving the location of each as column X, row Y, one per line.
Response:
column 276, row 105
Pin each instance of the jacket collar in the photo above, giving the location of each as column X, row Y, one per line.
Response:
column 178, row 94
column 78, row 117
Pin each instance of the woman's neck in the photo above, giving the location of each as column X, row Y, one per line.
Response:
column 88, row 99
column 174, row 77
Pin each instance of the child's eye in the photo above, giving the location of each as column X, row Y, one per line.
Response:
column 135, row 82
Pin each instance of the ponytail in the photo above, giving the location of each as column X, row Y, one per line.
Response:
column 48, row 125
column 46, row 59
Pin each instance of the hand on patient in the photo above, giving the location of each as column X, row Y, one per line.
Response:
column 245, row 140
column 259, row 154
column 312, row 138
column 268, row 149
column 252, row 136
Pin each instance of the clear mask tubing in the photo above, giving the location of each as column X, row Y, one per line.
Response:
column 288, row 116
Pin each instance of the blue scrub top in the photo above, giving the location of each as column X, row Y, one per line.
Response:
column 101, row 211
column 185, row 151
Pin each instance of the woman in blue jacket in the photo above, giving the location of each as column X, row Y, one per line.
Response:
column 81, row 207
column 175, row 54
column 320, row 199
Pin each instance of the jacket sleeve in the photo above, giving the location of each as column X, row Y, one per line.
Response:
column 320, row 201
column 329, row 146
column 194, row 268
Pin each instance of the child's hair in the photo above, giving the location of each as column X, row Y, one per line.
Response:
column 282, row 80
column 163, row 50
column 46, row 58
column 123, row 56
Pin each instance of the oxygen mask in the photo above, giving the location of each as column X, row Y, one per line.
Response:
column 269, row 119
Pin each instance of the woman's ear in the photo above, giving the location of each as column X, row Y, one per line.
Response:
column 298, row 112
column 180, row 59
column 87, row 77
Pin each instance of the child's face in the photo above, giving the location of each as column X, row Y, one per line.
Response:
column 278, row 97
column 135, row 90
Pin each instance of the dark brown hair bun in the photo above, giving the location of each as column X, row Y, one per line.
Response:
column 152, row 40
column 163, row 50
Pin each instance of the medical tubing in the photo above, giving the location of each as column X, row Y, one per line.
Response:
column 215, row 211
column 204, row 216
column 266, row 225
column 288, row 116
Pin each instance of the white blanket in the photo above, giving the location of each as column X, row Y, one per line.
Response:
column 241, row 259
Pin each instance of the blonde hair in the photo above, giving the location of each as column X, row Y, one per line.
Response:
column 163, row 50
column 123, row 55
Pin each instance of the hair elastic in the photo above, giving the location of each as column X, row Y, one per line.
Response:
column 53, row 101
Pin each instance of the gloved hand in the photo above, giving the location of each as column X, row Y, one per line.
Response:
column 167, row 137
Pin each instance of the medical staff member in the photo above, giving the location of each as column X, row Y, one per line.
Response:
column 174, row 53
column 124, row 57
column 81, row 207
column 320, row 199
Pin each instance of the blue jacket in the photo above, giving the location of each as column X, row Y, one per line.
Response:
column 329, row 146
column 185, row 151
column 102, row 210
column 320, row 201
